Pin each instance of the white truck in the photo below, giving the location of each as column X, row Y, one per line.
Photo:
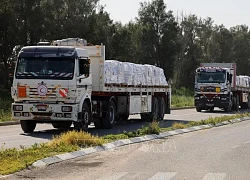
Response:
column 70, row 82
column 217, row 85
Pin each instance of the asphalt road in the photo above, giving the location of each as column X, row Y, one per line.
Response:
column 13, row 136
column 221, row 153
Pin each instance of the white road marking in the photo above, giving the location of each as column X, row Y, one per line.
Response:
column 214, row 176
column 114, row 176
column 163, row 176
column 235, row 146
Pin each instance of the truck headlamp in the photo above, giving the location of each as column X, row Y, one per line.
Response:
column 18, row 108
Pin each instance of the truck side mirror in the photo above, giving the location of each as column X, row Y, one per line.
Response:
column 230, row 78
column 170, row 81
column 84, row 67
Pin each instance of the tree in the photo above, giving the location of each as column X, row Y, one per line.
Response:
column 157, row 46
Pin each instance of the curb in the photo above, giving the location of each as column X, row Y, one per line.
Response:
column 9, row 123
column 123, row 142
column 180, row 108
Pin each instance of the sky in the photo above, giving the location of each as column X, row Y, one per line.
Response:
column 227, row 12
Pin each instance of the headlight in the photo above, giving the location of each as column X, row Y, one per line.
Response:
column 197, row 98
column 66, row 109
column 18, row 108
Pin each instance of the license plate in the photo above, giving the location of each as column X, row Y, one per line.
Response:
column 41, row 107
column 210, row 105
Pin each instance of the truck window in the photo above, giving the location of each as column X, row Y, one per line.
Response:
column 84, row 67
column 45, row 68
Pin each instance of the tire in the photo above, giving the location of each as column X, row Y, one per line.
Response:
column 229, row 107
column 110, row 116
column 144, row 116
column 198, row 109
column 162, row 108
column 211, row 109
column 83, row 123
column 28, row 126
column 123, row 117
column 155, row 111
column 236, row 103
column 62, row 125
column 98, row 123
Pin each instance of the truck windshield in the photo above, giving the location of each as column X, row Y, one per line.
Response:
column 211, row 77
column 45, row 68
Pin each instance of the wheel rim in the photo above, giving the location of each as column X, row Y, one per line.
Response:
column 162, row 110
column 86, row 117
column 111, row 114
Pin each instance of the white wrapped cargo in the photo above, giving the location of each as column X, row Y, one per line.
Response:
column 126, row 73
column 243, row 81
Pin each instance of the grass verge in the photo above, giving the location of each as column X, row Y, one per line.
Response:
column 13, row 160
column 182, row 97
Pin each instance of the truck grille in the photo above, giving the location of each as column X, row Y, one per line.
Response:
column 52, row 93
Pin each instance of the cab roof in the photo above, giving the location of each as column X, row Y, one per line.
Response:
column 48, row 51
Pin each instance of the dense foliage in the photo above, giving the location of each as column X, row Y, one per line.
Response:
column 156, row 36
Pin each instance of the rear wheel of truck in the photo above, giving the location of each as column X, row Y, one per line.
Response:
column 198, row 109
column 83, row 123
column 122, row 117
column 162, row 108
column 98, row 123
column 109, row 116
column 154, row 114
column 62, row 125
column 145, row 116
column 236, row 103
column 28, row 126
column 211, row 109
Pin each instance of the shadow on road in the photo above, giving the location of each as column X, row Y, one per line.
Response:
column 119, row 127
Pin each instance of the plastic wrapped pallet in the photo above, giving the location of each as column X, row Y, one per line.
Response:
column 243, row 81
column 126, row 73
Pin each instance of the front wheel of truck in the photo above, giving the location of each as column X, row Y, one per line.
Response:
column 85, row 119
column 198, row 109
column 28, row 126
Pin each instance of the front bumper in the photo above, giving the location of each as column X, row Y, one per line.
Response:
column 220, row 101
column 49, row 112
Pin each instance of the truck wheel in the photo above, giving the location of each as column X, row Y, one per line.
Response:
column 62, row 125
column 198, row 109
column 155, row 110
column 85, row 120
column 28, row 126
column 162, row 108
column 123, row 117
column 229, row 107
column 145, row 116
column 98, row 123
column 109, row 117
column 236, row 103
column 211, row 109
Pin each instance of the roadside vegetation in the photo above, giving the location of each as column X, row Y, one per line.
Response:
column 5, row 105
column 14, row 159
column 182, row 97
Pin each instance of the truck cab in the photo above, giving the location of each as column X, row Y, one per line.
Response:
column 47, row 83
column 212, row 88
